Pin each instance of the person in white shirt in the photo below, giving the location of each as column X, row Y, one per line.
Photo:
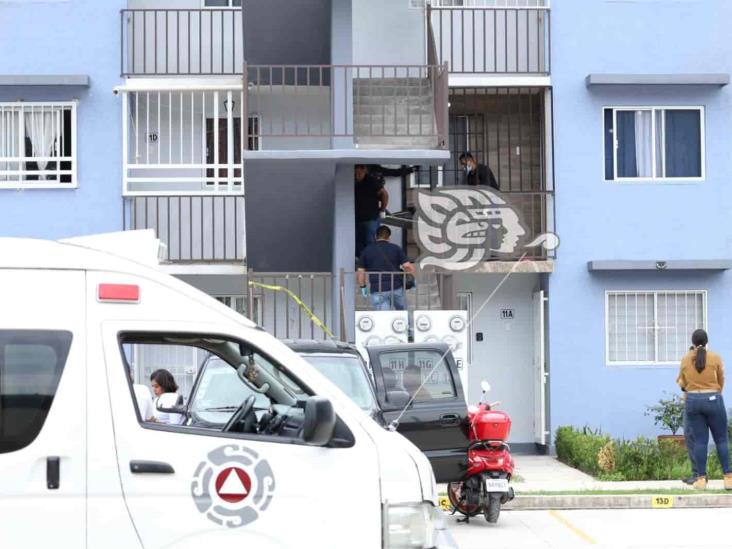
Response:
column 142, row 397
column 164, row 388
column 144, row 401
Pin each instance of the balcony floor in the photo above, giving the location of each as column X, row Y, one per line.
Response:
column 355, row 156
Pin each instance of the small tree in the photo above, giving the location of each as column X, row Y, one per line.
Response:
column 668, row 413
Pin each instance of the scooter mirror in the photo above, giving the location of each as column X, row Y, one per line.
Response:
column 485, row 386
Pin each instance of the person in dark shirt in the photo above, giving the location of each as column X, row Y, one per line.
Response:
column 371, row 199
column 387, row 290
column 476, row 174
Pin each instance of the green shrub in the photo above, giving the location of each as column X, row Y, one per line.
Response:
column 580, row 448
column 668, row 413
column 617, row 460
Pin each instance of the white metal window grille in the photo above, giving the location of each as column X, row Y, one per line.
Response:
column 651, row 143
column 239, row 304
column 185, row 142
column 180, row 360
column 652, row 327
column 37, row 145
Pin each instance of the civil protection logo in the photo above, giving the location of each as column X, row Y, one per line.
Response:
column 232, row 486
column 460, row 227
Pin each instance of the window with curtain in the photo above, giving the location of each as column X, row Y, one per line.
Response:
column 654, row 143
column 37, row 144
column 652, row 327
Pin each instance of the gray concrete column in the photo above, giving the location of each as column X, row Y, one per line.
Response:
column 344, row 251
column 341, row 84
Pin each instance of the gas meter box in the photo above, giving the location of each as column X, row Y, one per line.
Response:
column 380, row 328
column 450, row 327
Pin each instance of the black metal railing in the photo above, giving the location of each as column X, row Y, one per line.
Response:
column 181, row 42
column 194, row 228
column 500, row 40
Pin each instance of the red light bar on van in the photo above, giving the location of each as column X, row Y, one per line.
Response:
column 127, row 293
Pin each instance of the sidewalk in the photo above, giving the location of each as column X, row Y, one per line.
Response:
column 546, row 483
column 548, row 474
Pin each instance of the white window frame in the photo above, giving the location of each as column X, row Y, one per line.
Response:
column 654, row 109
column 21, row 106
column 656, row 328
column 468, row 297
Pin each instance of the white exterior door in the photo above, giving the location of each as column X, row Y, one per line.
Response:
column 540, row 373
column 196, row 487
column 42, row 409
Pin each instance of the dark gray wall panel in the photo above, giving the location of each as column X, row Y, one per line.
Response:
column 289, row 211
column 292, row 32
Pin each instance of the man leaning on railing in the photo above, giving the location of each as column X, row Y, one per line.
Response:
column 396, row 272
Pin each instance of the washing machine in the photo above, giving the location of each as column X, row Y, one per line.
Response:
column 380, row 328
column 449, row 327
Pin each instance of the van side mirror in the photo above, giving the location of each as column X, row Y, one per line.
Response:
column 320, row 421
column 170, row 403
column 395, row 401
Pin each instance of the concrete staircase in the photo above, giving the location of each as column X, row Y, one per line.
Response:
column 394, row 113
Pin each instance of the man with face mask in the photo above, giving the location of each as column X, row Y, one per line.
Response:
column 476, row 174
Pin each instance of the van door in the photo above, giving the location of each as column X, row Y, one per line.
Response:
column 194, row 485
column 435, row 419
column 42, row 409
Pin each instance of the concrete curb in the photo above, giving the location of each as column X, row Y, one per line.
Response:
column 634, row 501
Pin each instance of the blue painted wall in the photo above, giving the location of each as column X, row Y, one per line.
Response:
column 601, row 220
column 68, row 37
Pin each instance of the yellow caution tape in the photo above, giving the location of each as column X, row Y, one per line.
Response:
column 314, row 319
column 662, row 502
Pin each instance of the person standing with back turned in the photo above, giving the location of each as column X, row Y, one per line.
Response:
column 702, row 377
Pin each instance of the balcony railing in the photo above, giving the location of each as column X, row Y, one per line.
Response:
column 492, row 40
column 194, row 228
column 174, row 42
column 377, row 106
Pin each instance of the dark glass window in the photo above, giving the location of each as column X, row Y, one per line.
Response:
column 31, row 363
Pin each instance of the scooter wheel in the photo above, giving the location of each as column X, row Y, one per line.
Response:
column 492, row 508
column 458, row 500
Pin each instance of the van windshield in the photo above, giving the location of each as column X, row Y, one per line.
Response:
column 348, row 374
column 220, row 391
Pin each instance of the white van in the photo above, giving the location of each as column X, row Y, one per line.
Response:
column 295, row 464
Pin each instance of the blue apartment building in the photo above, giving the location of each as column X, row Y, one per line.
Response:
column 131, row 115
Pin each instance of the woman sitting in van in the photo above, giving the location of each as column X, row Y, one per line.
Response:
column 164, row 387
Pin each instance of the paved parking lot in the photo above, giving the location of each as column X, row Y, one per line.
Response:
column 636, row 529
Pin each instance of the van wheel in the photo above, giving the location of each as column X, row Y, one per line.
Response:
column 458, row 496
column 492, row 508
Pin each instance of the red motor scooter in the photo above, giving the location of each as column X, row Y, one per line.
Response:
column 489, row 466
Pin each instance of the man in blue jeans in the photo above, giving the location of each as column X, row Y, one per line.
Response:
column 387, row 289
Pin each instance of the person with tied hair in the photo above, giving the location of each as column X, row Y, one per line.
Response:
column 164, row 387
column 702, row 378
